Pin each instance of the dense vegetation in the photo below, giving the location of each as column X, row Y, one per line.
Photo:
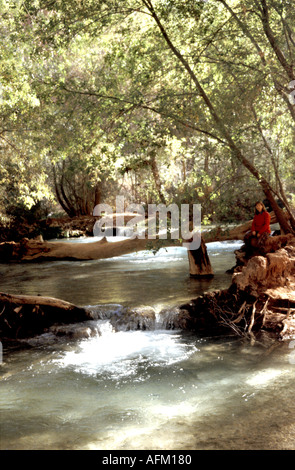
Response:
column 161, row 101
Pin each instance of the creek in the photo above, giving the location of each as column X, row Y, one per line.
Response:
column 147, row 390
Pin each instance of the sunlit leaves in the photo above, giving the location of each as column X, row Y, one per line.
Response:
column 94, row 85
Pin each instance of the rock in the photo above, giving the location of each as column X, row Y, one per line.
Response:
column 140, row 318
column 251, row 274
column 270, row 245
column 75, row 331
column 264, row 272
column 175, row 318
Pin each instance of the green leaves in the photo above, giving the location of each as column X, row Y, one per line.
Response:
column 95, row 89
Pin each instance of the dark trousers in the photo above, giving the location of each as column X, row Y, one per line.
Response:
column 252, row 241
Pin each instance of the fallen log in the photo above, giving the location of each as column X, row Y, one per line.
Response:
column 37, row 250
column 23, row 316
column 260, row 298
column 34, row 250
column 238, row 232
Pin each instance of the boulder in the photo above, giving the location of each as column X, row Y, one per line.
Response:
column 265, row 272
column 139, row 318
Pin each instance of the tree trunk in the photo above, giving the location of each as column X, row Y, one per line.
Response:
column 28, row 315
column 199, row 262
column 236, row 152
column 59, row 195
column 97, row 194
column 278, row 86
column 156, row 176
column 274, row 43
column 32, row 250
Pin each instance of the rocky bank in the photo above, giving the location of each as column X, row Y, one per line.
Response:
column 260, row 297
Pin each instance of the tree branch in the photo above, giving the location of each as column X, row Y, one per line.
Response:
column 274, row 43
column 147, row 107
column 236, row 152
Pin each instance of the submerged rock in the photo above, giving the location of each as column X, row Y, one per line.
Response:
column 75, row 331
column 105, row 311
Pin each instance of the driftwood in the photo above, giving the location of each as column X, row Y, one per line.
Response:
column 23, row 316
column 37, row 250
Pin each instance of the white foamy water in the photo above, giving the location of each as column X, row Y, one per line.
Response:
column 124, row 353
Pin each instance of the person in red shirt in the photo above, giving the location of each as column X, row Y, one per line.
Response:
column 261, row 221
column 260, row 229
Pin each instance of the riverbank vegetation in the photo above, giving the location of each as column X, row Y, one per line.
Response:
column 159, row 101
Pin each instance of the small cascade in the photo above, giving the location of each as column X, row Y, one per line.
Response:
column 142, row 317
column 114, row 318
column 105, row 311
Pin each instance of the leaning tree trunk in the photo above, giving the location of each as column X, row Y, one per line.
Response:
column 155, row 172
column 236, row 152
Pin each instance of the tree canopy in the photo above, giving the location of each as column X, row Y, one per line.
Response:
column 162, row 101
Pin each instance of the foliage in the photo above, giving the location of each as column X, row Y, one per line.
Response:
column 163, row 101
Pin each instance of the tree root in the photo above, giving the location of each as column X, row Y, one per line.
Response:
column 244, row 315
